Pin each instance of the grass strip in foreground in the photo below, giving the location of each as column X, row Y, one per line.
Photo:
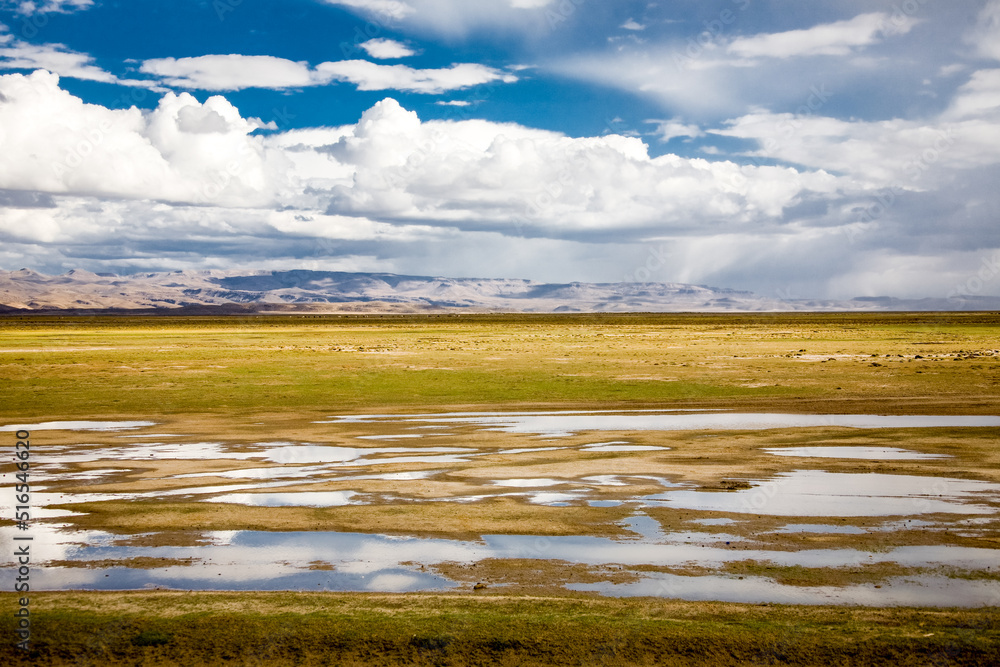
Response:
column 287, row 628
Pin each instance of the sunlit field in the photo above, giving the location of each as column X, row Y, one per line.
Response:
column 491, row 489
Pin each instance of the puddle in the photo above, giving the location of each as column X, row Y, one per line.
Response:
column 54, row 473
column 300, row 499
column 714, row 522
column 249, row 560
column 273, row 472
column 291, row 453
column 646, row 527
column 257, row 560
column 604, row 480
column 851, row 452
column 395, row 476
column 910, row 591
column 529, row 483
column 553, row 498
column 78, row 426
column 442, row 458
column 541, row 482
column 819, row 528
column 568, row 423
column 621, row 448
column 528, row 450
column 194, row 451
column 283, row 453
column 821, row 494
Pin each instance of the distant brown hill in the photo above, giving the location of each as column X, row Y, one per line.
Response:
column 330, row 291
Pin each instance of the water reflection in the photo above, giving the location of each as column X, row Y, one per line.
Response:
column 853, row 452
column 912, row 591
column 255, row 560
column 571, row 422
column 78, row 426
column 248, row 560
column 300, row 499
column 820, row 494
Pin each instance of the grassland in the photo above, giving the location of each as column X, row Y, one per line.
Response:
column 121, row 367
column 242, row 379
column 194, row 629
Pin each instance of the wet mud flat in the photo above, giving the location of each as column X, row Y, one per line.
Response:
column 687, row 504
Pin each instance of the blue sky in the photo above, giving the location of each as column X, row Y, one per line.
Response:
column 823, row 149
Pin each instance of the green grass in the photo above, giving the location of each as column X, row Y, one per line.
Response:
column 358, row 629
column 90, row 367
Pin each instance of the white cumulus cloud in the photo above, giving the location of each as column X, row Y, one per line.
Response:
column 237, row 72
column 390, row 166
column 386, row 49
column 230, row 72
column 372, row 76
column 182, row 150
column 191, row 184
column 486, row 175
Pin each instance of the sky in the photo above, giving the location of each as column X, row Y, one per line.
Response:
column 822, row 149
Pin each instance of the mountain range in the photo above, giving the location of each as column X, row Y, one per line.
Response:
column 331, row 291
